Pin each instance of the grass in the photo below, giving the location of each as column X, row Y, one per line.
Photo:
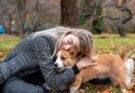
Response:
column 105, row 43
column 7, row 43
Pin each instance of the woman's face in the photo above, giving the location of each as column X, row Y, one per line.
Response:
column 70, row 41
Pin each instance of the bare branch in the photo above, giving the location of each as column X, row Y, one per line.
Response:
column 123, row 7
column 130, row 16
column 109, row 17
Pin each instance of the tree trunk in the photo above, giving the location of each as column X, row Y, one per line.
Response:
column 9, row 26
column 70, row 13
column 21, row 10
column 121, row 31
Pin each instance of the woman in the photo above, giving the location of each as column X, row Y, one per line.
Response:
column 36, row 52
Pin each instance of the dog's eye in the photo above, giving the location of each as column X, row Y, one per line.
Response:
column 63, row 58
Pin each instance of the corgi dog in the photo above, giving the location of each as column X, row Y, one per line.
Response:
column 119, row 69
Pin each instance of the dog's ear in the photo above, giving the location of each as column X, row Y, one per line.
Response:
column 74, row 50
column 73, row 53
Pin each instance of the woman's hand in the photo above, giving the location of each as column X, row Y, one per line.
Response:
column 86, row 62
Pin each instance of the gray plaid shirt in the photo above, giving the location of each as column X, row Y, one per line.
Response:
column 31, row 54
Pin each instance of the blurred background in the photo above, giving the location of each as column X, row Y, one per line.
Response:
column 25, row 16
column 111, row 21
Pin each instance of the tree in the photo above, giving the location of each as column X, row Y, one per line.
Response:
column 91, row 14
column 124, row 7
column 21, row 12
column 70, row 13
column 29, row 15
column 7, row 14
column 36, row 14
column 92, row 11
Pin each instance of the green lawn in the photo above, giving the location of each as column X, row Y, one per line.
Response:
column 7, row 42
column 114, row 41
column 115, row 44
column 105, row 43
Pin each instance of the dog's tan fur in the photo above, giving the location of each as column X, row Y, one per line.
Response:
column 109, row 65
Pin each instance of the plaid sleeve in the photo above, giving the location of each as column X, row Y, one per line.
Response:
column 57, row 80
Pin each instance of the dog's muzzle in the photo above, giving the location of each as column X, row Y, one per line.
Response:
column 58, row 66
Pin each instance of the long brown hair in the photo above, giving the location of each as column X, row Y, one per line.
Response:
column 86, row 41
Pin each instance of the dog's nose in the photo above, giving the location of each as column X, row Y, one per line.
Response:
column 55, row 64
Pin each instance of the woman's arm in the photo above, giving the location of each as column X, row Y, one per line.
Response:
column 43, row 49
